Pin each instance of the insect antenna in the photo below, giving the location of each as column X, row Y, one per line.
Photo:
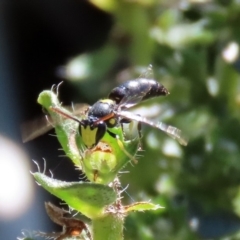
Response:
column 57, row 110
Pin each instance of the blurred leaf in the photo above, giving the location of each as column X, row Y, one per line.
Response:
column 182, row 35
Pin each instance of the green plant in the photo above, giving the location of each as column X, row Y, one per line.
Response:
column 99, row 199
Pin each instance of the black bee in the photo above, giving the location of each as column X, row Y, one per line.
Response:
column 112, row 111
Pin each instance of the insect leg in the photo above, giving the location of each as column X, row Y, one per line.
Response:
column 139, row 128
column 121, row 123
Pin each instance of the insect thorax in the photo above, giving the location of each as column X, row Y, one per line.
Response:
column 102, row 109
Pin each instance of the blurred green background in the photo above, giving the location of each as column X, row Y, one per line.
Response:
column 193, row 47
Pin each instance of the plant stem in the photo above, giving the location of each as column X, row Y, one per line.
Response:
column 109, row 227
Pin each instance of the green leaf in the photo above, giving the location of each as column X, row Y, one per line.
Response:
column 88, row 198
column 65, row 128
column 141, row 206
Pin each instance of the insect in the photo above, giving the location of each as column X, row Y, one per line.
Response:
column 113, row 111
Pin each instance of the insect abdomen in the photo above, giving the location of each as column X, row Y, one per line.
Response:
column 148, row 88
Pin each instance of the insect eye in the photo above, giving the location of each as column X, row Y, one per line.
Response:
column 101, row 130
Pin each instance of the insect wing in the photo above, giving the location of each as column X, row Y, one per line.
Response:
column 148, row 74
column 134, row 98
column 79, row 109
column 39, row 126
column 35, row 128
column 173, row 132
column 137, row 93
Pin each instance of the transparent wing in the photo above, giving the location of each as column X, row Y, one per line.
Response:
column 79, row 109
column 35, row 128
column 41, row 125
column 173, row 132
column 134, row 98
column 148, row 73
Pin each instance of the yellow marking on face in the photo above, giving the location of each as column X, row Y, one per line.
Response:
column 89, row 136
